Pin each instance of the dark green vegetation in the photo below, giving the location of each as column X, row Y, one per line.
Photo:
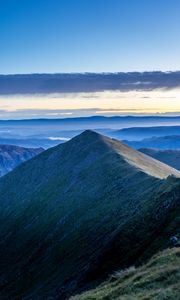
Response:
column 12, row 156
column 158, row 279
column 169, row 157
column 79, row 211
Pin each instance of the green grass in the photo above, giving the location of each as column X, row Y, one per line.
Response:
column 76, row 213
column 159, row 279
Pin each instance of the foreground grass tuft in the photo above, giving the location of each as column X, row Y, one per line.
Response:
column 159, row 279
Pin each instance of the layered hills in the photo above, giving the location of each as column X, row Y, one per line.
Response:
column 80, row 210
column 169, row 157
column 171, row 142
column 139, row 133
column 12, row 156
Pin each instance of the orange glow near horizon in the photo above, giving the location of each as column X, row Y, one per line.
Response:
column 102, row 103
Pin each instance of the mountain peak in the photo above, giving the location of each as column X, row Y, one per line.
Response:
column 88, row 138
column 75, row 211
column 90, row 134
column 134, row 158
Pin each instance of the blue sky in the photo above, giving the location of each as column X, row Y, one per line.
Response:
column 89, row 35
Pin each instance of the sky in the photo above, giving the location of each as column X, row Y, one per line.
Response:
column 48, row 36
column 108, row 103
column 64, row 36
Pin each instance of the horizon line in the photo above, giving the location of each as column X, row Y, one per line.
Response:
column 94, row 116
column 87, row 72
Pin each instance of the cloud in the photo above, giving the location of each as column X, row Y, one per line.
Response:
column 86, row 104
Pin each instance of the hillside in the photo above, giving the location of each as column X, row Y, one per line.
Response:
column 158, row 279
column 12, row 156
column 142, row 162
column 77, row 212
column 169, row 157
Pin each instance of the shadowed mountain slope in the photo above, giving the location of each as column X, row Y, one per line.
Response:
column 169, row 157
column 12, row 156
column 78, row 211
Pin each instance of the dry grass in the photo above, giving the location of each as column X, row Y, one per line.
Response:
column 159, row 279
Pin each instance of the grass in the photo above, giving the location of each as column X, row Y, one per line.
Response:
column 74, row 214
column 159, row 279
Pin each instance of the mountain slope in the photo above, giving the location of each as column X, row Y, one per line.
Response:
column 158, row 279
column 141, row 162
column 169, row 157
column 71, row 215
column 12, row 156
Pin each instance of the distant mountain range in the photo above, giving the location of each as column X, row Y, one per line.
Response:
column 50, row 132
column 139, row 133
column 86, row 82
column 169, row 157
column 100, row 122
column 12, row 156
column 31, row 142
column 163, row 142
column 79, row 211
column 160, row 137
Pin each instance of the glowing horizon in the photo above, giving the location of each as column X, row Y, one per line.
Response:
column 106, row 103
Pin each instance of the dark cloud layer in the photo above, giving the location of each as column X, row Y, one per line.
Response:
column 87, row 82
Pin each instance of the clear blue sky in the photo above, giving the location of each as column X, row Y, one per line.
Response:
column 89, row 35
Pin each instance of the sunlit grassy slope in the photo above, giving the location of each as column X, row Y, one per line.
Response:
column 159, row 279
column 169, row 157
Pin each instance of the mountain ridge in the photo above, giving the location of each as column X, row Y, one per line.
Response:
column 135, row 158
column 169, row 157
column 132, row 156
column 70, row 216
column 11, row 156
